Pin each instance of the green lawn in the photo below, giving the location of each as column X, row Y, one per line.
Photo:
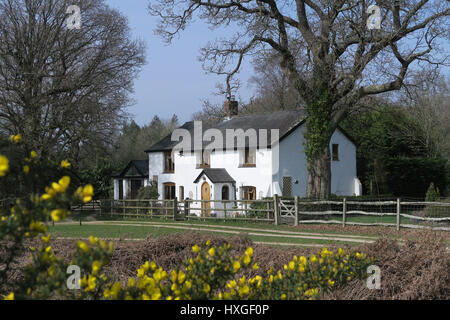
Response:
column 236, row 223
column 140, row 232
column 305, row 227
column 106, row 231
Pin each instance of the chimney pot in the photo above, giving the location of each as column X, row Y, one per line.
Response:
column 231, row 106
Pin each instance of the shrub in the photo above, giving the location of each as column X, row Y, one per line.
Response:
column 435, row 211
column 212, row 275
column 432, row 193
column 148, row 192
column 257, row 206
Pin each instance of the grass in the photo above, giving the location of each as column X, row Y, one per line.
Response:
column 232, row 223
column 141, row 232
column 314, row 228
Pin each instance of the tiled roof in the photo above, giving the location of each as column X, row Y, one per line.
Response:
column 284, row 121
column 216, row 175
column 141, row 167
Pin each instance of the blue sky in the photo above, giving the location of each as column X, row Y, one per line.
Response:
column 172, row 81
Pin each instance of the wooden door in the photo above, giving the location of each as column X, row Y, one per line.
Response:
column 206, row 195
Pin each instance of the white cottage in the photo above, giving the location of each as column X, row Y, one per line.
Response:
column 277, row 165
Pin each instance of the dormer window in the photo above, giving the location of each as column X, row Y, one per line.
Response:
column 204, row 159
column 169, row 164
column 248, row 157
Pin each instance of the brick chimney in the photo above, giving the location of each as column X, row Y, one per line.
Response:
column 231, row 107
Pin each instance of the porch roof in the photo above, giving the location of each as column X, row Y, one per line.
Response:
column 134, row 169
column 216, row 175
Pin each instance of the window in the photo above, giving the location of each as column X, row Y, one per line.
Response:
column 248, row 193
column 204, row 159
column 169, row 164
column 249, row 157
column 335, row 152
column 120, row 189
column 225, row 193
column 169, row 191
column 181, row 193
column 287, row 187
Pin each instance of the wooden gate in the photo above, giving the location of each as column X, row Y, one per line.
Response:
column 287, row 211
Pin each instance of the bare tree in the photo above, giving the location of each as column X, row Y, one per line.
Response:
column 273, row 89
column 343, row 57
column 64, row 88
column 209, row 112
column 429, row 106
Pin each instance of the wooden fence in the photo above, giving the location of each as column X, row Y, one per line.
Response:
column 295, row 211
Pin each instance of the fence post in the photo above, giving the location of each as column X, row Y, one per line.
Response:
column 225, row 211
column 398, row 214
column 112, row 206
column 296, row 205
column 175, row 208
column 186, row 209
column 344, row 211
column 276, row 208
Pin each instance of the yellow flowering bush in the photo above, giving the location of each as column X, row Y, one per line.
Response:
column 27, row 218
column 213, row 274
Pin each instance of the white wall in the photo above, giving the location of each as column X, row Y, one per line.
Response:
column 293, row 163
column 116, row 189
column 186, row 171
column 343, row 172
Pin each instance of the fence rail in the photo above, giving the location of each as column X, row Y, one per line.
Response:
column 415, row 214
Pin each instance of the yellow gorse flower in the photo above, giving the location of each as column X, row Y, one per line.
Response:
column 93, row 240
column 46, row 238
column 85, row 192
column 96, row 265
column 91, row 283
column 83, row 246
column 4, row 165
column 15, row 138
column 59, row 214
column 65, row 164
column 10, row 296
column 57, row 187
column 247, row 260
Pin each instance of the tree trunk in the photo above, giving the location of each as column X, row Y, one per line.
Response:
column 319, row 176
